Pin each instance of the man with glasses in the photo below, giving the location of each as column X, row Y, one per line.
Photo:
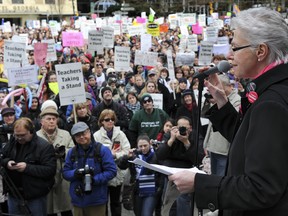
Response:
column 31, row 165
column 148, row 120
column 88, row 166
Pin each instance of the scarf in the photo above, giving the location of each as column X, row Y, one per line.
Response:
column 189, row 106
column 50, row 137
column 133, row 107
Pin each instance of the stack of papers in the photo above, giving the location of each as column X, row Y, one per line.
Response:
column 164, row 169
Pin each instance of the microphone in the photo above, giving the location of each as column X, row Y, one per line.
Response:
column 223, row 67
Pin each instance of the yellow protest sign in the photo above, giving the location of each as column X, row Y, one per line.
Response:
column 153, row 29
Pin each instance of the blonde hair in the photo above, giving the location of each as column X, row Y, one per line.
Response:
column 105, row 113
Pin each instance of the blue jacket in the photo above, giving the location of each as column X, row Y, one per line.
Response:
column 102, row 174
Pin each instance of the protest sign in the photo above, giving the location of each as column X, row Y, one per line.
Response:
column 72, row 39
column 53, row 27
column 135, row 30
column 22, row 75
column 157, row 100
column 108, row 37
column 122, row 58
column 219, row 49
column 187, row 19
column 146, row 42
column 146, row 58
column 170, row 65
column 40, row 53
column 71, row 83
column 14, row 54
column 51, row 51
column 205, row 53
column 184, row 59
column 223, row 40
column 202, row 19
column 95, row 41
column 211, row 34
column 192, row 43
column 153, row 29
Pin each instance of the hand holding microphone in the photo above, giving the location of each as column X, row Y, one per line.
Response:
column 213, row 83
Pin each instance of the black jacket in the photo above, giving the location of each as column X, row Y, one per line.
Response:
column 38, row 177
column 257, row 177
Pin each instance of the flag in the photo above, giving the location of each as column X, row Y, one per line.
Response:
column 235, row 9
column 152, row 11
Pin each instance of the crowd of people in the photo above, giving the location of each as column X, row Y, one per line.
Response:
column 73, row 160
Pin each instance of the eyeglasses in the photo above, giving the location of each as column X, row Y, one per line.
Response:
column 234, row 49
column 144, row 102
column 109, row 119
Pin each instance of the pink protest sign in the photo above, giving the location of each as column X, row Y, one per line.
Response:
column 40, row 53
column 197, row 29
column 72, row 39
column 140, row 20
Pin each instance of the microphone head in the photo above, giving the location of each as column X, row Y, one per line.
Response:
column 224, row 66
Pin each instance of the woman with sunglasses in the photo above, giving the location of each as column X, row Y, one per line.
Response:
column 115, row 139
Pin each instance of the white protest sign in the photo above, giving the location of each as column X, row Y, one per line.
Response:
column 183, row 44
column 86, row 26
column 122, row 58
column 202, row 19
column 7, row 27
column 51, row 50
column 218, row 24
column 14, row 54
column 157, row 100
column 205, row 53
column 95, row 41
column 170, row 65
column 21, row 38
column 192, row 43
column 184, row 59
column 184, row 30
column 219, row 49
column 136, row 30
column 108, row 37
column 146, row 58
column 43, row 23
column 223, row 40
column 71, row 83
column 146, row 42
column 117, row 28
column 22, row 75
column 212, row 34
column 188, row 19
column 53, row 27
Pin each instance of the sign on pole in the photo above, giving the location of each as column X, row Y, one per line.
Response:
column 14, row 54
column 71, row 83
column 122, row 58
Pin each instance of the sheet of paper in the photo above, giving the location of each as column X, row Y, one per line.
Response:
column 164, row 169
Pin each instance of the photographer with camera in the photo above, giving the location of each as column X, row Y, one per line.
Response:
column 88, row 166
column 142, row 198
column 6, row 126
column 179, row 150
column 58, row 197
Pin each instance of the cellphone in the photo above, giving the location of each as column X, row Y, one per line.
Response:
column 116, row 145
column 13, row 164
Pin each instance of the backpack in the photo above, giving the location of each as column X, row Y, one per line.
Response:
column 97, row 154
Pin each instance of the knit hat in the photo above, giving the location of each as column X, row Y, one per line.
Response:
column 145, row 98
column 49, row 103
column 106, row 88
column 182, row 80
column 187, row 92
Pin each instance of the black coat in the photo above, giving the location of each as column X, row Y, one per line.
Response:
column 257, row 178
column 38, row 176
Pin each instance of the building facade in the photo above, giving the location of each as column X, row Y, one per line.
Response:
column 19, row 11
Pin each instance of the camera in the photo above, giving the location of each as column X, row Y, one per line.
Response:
column 87, row 177
column 183, row 131
column 60, row 151
column 6, row 128
column 208, row 96
column 156, row 143
column 137, row 152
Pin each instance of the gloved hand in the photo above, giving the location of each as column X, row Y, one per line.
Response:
column 79, row 173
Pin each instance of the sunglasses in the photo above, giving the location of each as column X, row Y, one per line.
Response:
column 144, row 102
column 109, row 119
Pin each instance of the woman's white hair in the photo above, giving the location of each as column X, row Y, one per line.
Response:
column 263, row 25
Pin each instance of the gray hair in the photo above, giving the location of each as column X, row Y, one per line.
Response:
column 263, row 25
